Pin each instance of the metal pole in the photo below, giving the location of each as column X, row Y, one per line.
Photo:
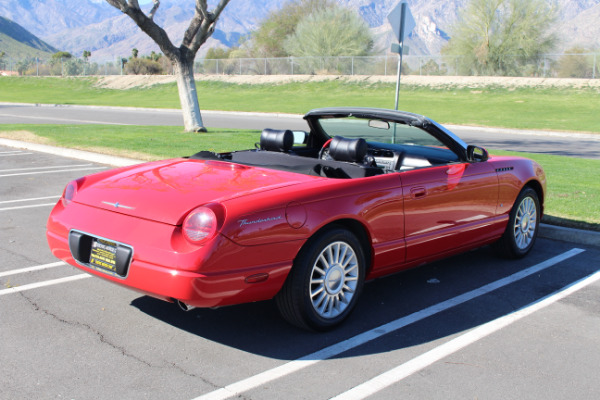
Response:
column 399, row 75
column 398, row 87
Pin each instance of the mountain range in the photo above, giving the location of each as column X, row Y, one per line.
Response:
column 94, row 25
column 18, row 43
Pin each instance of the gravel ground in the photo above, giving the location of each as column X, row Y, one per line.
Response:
column 131, row 81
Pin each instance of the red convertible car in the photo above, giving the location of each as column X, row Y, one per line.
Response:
column 304, row 218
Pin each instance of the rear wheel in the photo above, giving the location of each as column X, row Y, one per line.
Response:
column 523, row 226
column 325, row 281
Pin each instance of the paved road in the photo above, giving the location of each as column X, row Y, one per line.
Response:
column 444, row 331
column 576, row 145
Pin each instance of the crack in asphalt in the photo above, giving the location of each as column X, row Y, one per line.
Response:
column 114, row 346
column 20, row 255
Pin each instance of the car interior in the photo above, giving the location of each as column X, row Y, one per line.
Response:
column 340, row 157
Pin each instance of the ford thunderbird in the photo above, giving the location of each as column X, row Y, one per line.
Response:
column 304, row 218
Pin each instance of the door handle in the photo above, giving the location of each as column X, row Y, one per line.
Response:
column 418, row 192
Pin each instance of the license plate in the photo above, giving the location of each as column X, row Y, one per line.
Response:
column 104, row 255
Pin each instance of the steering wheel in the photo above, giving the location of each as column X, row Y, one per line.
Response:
column 324, row 150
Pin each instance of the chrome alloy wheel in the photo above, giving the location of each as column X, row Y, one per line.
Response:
column 334, row 279
column 525, row 223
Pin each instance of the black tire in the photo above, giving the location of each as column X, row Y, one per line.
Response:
column 335, row 295
column 523, row 226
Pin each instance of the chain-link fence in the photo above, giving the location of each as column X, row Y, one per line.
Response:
column 568, row 65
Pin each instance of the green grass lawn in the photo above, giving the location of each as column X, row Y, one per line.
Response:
column 573, row 197
column 528, row 108
column 142, row 142
column 573, row 186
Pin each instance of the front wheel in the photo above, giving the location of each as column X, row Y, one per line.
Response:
column 325, row 281
column 523, row 226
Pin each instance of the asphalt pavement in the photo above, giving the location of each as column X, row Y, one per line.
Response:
column 555, row 143
column 471, row 326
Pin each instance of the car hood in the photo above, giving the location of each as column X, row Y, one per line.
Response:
column 166, row 191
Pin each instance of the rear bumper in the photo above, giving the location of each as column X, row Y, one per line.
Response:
column 193, row 288
column 209, row 276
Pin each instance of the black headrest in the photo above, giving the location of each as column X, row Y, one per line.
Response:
column 351, row 150
column 276, row 140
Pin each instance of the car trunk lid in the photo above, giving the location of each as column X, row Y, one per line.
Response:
column 166, row 191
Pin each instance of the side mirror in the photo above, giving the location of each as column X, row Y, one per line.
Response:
column 300, row 137
column 476, row 154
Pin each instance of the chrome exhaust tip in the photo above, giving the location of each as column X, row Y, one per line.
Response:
column 184, row 307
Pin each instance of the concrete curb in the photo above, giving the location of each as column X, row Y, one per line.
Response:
column 578, row 236
column 553, row 232
column 71, row 153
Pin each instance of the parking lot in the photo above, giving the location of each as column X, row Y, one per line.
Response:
column 472, row 326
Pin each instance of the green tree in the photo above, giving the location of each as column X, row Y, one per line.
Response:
column 62, row 55
column 212, row 65
column 268, row 40
column 86, row 54
column 499, row 37
column 574, row 64
column 336, row 31
column 215, row 53
column 23, row 66
column 59, row 63
column 155, row 56
column 73, row 67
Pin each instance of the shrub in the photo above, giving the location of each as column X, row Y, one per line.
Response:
column 143, row 66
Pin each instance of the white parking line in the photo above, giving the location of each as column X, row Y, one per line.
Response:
column 10, row 152
column 31, row 199
column 293, row 366
column 46, row 167
column 29, row 206
column 17, row 289
column 31, row 269
column 53, row 171
column 395, row 375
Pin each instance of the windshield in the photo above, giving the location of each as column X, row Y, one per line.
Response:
column 379, row 131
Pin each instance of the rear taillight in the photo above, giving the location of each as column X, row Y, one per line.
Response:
column 200, row 225
column 69, row 193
